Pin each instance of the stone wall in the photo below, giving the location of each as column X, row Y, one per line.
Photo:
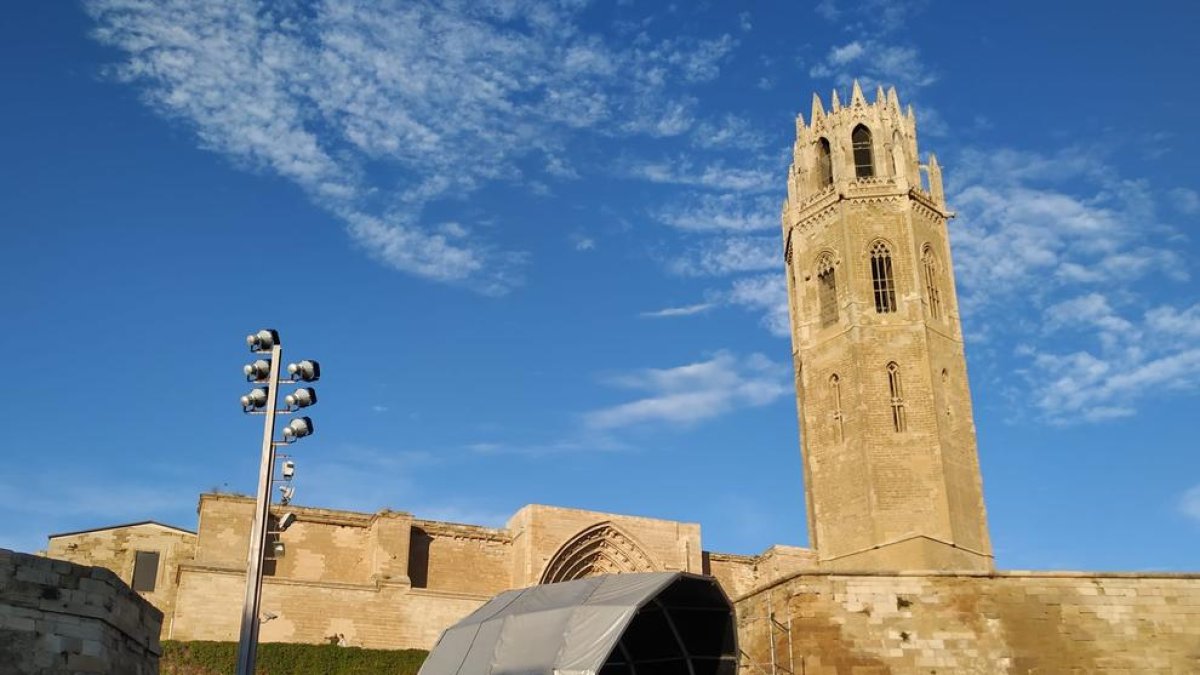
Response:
column 59, row 617
column 1011, row 622
column 116, row 548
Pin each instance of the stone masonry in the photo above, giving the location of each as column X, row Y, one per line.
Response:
column 58, row 617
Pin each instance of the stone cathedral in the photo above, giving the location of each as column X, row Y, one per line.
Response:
column 899, row 577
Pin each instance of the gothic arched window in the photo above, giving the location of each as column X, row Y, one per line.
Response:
column 824, row 163
column 827, row 290
column 835, row 400
column 932, row 276
column 897, row 393
column 881, row 278
column 864, row 157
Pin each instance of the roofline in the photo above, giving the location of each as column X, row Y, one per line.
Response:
column 115, row 527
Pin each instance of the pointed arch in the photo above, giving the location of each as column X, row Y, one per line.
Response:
column 883, row 282
column 864, row 153
column 600, row 549
column 824, row 163
column 896, row 389
column 827, row 296
column 835, row 396
column 932, row 271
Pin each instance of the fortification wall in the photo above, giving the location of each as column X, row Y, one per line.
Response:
column 1009, row 622
column 375, row 615
column 59, row 617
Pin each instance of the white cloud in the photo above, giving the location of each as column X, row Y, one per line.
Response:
column 695, row 392
column 724, row 211
column 712, row 176
column 875, row 63
column 729, row 255
column 446, row 96
column 1185, row 200
column 765, row 293
column 1189, row 503
column 686, row 310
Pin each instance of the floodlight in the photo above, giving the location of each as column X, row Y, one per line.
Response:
column 301, row 398
column 263, row 340
column 258, row 371
column 298, row 428
column 305, row 371
column 289, row 469
column 286, row 521
column 255, row 400
column 286, row 492
column 279, row 549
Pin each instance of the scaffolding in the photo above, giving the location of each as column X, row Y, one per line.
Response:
column 776, row 664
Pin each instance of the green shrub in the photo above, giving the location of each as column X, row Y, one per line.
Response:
column 278, row 658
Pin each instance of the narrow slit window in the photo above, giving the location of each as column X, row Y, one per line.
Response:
column 946, row 393
column 934, row 293
column 824, row 163
column 897, row 392
column 881, row 278
column 835, row 396
column 827, row 290
column 145, row 571
column 864, row 155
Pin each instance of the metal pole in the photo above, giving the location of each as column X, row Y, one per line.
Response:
column 771, row 633
column 248, row 645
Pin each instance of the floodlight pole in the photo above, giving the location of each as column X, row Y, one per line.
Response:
column 248, row 644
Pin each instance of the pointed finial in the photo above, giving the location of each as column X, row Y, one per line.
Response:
column 818, row 110
column 935, row 181
column 856, row 96
column 880, row 99
column 835, row 104
column 799, row 125
column 893, row 100
column 909, row 112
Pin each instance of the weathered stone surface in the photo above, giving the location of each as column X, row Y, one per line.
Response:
column 46, row 628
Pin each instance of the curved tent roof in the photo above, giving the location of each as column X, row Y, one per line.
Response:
column 657, row 623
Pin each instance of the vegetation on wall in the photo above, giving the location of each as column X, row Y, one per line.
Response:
column 277, row 658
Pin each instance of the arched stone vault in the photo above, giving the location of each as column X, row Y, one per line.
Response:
column 600, row 549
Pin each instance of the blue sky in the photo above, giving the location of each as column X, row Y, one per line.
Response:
column 535, row 247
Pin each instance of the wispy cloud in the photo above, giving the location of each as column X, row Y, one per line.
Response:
column 1189, row 503
column 446, row 96
column 729, row 255
column 724, row 211
column 686, row 310
column 713, row 175
column 873, row 62
column 691, row 393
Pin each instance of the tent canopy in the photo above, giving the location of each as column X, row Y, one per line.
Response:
column 660, row 623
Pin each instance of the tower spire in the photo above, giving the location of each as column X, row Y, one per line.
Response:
column 856, row 96
column 818, row 110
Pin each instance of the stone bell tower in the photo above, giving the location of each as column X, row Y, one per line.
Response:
column 886, row 427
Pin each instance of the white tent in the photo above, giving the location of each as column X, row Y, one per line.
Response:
column 661, row 623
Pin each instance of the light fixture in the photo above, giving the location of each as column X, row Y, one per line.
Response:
column 263, row 340
column 279, row 549
column 286, row 521
column 255, row 400
column 286, row 492
column 289, row 469
column 305, row 371
column 298, row 428
column 258, row 371
column 301, row 398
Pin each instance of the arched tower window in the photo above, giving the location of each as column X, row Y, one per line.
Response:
column 930, row 265
column 897, row 393
column 881, row 278
column 864, row 157
column 827, row 290
column 835, row 400
column 824, row 163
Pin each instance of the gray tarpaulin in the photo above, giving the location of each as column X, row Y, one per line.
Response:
column 660, row 623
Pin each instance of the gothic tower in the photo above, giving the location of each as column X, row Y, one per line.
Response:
column 881, row 379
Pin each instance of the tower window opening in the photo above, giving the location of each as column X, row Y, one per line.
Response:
column 864, row 159
column 946, row 393
column 835, row 395
column 929, row 262
column 897, row 392
column 881, row 278
column 827, row 290
column 824, row 164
